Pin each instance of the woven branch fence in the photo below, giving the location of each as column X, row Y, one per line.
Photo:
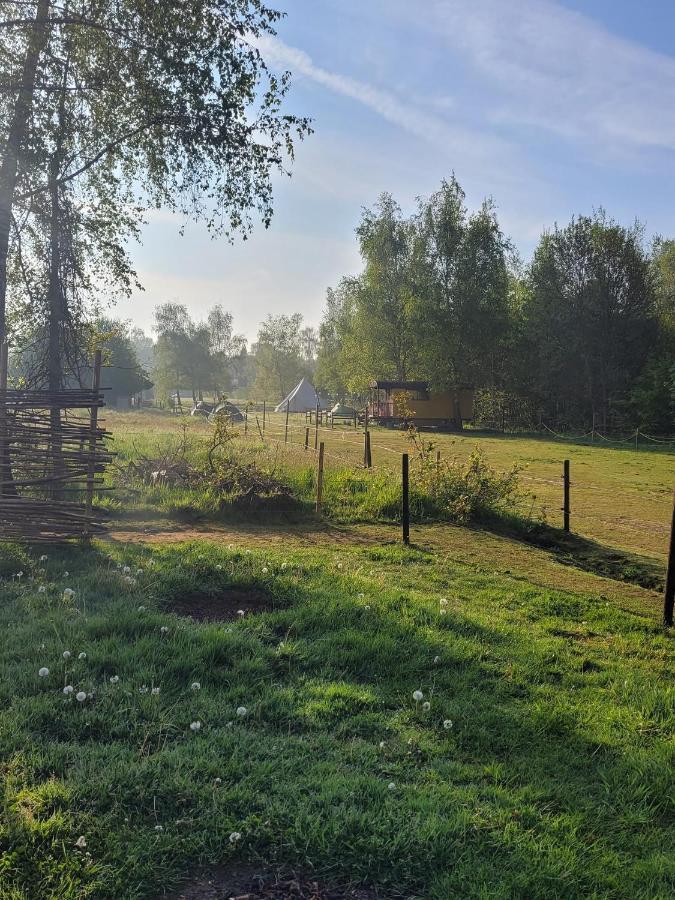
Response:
column 53, row 453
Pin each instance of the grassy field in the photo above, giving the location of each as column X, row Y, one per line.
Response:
column 620, row 497
column 541, row 768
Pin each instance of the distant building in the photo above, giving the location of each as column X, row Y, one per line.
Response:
column 393, row 402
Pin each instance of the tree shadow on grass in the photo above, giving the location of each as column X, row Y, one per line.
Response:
column 583, row 553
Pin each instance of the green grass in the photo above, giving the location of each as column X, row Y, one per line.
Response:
column 555, row 779
column 620, row 498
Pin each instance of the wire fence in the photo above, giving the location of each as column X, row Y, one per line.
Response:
column 342, row 448
column 620, row 511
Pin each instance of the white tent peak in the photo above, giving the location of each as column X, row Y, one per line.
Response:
column 302, row 398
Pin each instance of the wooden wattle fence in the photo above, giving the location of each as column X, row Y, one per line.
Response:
column 53, row 453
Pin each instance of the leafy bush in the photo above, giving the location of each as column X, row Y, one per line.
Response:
column 463, row 491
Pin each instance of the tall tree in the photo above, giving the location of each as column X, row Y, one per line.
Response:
column 278, row 353
column 590, row 315
column 171, row 101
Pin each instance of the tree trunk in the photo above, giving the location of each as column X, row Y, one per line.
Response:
column 16, row 139
column 56, row 313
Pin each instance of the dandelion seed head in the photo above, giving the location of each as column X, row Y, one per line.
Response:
column 68, row 689
column 196, row 686
column 68, row 594
column 80, row 696
column 82, row 655
column 392, row 785
column 241, row 711
column 417, row 696
column 42, row 589
column 43, row 672
column 155, row 691
column 426, row 706
column 81, row 842
column 234, row 837
column 437, row 659
column 66, row 654
column 43, row 558
column 164, row 629
column 447, row 724
column 195, row 726
column 114, row 679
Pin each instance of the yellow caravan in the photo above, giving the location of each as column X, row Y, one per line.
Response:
column 393, row 402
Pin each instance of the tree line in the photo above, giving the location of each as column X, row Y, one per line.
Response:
column 584, row 335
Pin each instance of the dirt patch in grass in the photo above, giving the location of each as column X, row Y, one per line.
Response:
column 222, row 607
column 249, row 884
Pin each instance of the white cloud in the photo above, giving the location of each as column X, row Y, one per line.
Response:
column 449, row 137
column 560, row 70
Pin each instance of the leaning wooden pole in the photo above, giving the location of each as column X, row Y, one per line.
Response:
column 93, row 429
column 669, row 595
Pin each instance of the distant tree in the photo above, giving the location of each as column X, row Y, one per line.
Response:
column 122, row 373
column 279, row 356
column 224, row 346
column 332, row 364
column 309, row 342
column 431, row 303
column 460, row 288
column 144, row 347
column 589, row 318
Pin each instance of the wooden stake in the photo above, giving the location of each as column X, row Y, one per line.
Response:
column 307, row 438
column 319, row 480
column 264, row 412
column 566, row 495
column 288, row 404
column 260, row 432
column 405, row 511
column 93, row 425
column 669, row 594
column 316, row 427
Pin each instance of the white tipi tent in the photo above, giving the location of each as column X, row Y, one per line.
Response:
column 302, row 398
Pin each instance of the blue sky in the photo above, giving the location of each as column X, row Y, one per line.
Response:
column 550, row 108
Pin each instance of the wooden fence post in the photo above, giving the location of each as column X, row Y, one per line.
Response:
column 637, row 438
column 307, row 438
column 264, row 416
column 316, row 426
column 260, row 432
column 93, row 427
column 669, row 594
column 405, row 511
column 566, row 495
column 288, row 404
column 319, row 480
column 438, row 462
column 369, row 455
column 246, row 420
